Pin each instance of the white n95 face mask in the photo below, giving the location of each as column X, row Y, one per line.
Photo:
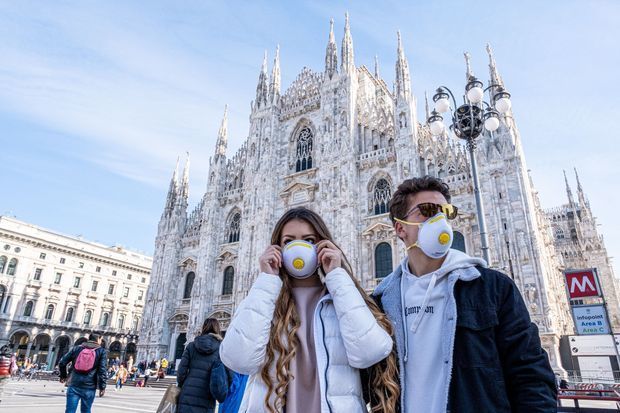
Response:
column 300, row 259
column 434, row 237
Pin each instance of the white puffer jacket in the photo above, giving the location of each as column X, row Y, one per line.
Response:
column 346, row 334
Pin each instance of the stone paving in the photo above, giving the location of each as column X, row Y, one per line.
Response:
column 49, row 397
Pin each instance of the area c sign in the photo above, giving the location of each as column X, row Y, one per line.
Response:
column 582, row 283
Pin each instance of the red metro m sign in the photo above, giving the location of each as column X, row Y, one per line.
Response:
column 582, row 283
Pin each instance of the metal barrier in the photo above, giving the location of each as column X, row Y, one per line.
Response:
column 593, row 394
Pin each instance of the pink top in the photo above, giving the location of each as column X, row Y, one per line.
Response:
column 304, row 391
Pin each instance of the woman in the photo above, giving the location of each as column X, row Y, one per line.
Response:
column 160, row 374
column 147, row 374
column 194, row 373
column 130, row 364
column 121, row 377
column 303, row 333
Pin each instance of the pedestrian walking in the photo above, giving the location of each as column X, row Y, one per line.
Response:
column 88, row 373
column 121, row 377
column 5, row 367
column 199, row 374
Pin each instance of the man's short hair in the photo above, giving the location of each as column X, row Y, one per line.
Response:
column 399, row 203
column 93, row 337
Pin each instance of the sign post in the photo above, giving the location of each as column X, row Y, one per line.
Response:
column 592, row 318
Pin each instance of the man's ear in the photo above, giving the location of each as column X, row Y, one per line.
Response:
column 398, row 229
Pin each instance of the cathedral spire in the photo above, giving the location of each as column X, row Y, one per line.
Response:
column 222, row 135
column 403, row 79
column 376, row 67
column 579, row 188
column 469, row 73
column 275, row 78
column 331, row 53
column 262, row 89
column 184, row 191
column 583, row 202
column 172, row 190
column 348, row 62
column 569, row 193
column 495, row 77
column 427, row 111
column 175, row 175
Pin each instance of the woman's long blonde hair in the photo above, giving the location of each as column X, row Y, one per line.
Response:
column 383, row 383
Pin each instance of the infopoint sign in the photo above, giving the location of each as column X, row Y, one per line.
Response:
column 590, row 319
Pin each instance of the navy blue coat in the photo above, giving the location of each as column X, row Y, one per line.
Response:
column 498, row 361
column 194, row 375
column 95, row 378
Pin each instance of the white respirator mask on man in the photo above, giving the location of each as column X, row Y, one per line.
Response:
column 435, row 236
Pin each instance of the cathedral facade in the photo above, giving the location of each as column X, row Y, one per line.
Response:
column 339, row 141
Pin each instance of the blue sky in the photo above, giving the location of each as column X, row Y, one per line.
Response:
column 97, row 99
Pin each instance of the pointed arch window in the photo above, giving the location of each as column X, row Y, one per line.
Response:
column 234, row 228
column 381, row 197
column 383, row 260
column 12, row 267
column 28, row 309
column 303, row 156
column 229, row 278
column 189, row 284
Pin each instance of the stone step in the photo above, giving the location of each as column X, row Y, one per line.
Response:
column 161, row 384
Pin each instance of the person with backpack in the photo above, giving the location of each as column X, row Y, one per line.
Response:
column 88, row 373
column 202, row 377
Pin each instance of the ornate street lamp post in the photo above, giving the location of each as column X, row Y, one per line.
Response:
column 468, row 122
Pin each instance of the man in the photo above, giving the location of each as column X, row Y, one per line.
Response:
column 6, row 360
column 89, row 363
column 464, row 337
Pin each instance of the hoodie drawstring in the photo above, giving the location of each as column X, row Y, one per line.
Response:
column 402, row 306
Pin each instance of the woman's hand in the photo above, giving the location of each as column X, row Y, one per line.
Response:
column 271, row 260
column 330, row 257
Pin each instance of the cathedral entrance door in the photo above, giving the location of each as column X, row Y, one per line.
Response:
column 180, row 346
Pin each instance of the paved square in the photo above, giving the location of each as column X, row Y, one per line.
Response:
column 49, row 397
